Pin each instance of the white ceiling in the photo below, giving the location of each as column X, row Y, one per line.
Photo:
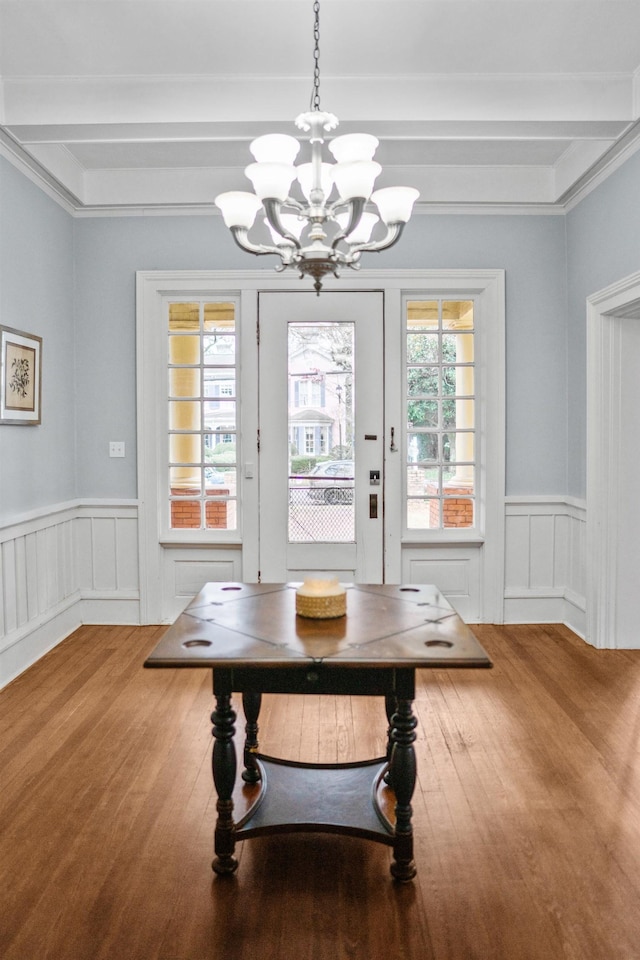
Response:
column 124, row 104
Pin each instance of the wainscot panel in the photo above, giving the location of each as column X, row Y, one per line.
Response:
column 187, row 569
column 545, row 561
column 455, row 569
column 70, row 564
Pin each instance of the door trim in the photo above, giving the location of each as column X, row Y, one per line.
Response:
column 153, row 285
column 604, row 450
column 282, row 558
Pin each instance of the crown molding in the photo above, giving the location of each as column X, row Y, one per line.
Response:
column 609, row 162
column 27, row 165
column 612, row 160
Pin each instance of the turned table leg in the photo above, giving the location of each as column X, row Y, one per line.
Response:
column 251, row 702
column 390, row 705
column 224, row 777
column 403, row 780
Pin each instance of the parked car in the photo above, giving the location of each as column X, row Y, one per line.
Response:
column 213, row 477
column 331, row 482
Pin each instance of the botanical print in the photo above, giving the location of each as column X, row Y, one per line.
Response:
column 20, row 372
column 20, row 385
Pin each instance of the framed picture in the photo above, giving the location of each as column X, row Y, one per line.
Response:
column 20, row 376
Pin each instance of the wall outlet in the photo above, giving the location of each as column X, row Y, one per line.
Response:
column 116, row 448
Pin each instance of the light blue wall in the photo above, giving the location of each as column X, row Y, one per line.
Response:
column 52, row 266
column 108, row 252
column 530, row 248
column 37, row 463
column 603, row 246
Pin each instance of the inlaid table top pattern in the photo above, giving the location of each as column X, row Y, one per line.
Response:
column 255, row 643
column 242, row 624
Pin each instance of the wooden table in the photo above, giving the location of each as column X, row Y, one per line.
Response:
column 251, row 637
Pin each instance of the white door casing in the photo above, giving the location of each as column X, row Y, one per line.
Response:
column 171, row 567
column 613, row 462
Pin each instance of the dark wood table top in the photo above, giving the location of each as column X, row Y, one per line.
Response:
column 249, row 625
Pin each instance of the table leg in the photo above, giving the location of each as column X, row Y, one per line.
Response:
column 251, row 704
column 390, row 705
column 403, row 778
column 223, row 719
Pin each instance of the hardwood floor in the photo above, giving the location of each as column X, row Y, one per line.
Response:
column 526, row 813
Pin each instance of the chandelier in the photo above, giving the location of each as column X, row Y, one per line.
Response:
column 327, row 226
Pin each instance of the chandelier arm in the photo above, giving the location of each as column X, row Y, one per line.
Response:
column 272, row 210
column 356, row 209
column 394, row 232
column 241, row 237
column 294, row 204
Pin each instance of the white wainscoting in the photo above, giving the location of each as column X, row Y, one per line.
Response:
column 455, row 568
column 73, row 563
column 545, row 561
column 79, row 563
column 185, row 570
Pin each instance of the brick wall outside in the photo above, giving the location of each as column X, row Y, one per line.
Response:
column 185, row 514
column 457, row 511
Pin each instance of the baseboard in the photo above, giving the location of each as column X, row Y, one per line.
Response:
column 564, row 608
column 24, row 647
column 534, row 609
column 576, row 614
column 116, row 609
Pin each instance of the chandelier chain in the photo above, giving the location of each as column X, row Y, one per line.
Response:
column 315, row 95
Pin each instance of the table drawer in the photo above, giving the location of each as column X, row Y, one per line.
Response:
column 317, row 679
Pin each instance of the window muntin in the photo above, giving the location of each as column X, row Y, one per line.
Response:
column 440, row 442
column 202, row 415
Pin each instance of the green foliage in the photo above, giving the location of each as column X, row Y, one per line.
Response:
column 430, row 408
column 220, row 454
column 302, row 464
column 343, row 452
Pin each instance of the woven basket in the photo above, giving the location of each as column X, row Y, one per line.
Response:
column 321, row 608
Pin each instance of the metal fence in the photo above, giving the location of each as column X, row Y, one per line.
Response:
column 321, row 511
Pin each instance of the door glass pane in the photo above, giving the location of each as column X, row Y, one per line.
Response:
column 184, row 382
column 422, row 314
column 321, row 421
column 184, row 316
column 219, row 317
column 457, row 315
column 423, row 381
column 184, row 349
column 184, row 415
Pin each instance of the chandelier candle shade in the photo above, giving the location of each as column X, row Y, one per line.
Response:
column 326, row 226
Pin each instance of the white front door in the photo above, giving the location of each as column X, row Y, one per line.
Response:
column 321, row 403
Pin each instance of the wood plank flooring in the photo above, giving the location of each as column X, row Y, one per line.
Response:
column 526, row 813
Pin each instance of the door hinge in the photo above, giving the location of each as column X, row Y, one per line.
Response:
column 259, row 576
column 258, row 439
column 258, row 332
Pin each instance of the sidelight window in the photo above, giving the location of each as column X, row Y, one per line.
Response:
column 440, row 406
column 202, row 415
